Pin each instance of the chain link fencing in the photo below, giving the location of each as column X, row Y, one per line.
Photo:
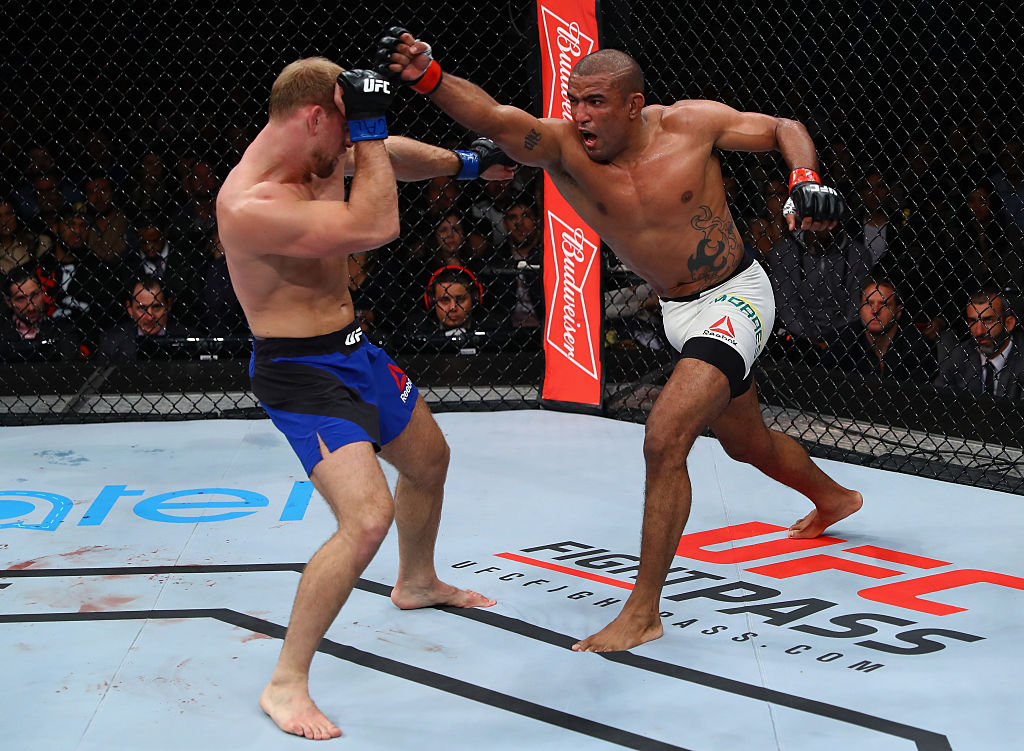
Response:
column 120, row 121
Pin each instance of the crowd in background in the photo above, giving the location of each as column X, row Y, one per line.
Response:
column 106, row 250
column 922, row 282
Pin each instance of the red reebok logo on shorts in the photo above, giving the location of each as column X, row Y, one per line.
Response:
column 723, row 326
column 398, row 375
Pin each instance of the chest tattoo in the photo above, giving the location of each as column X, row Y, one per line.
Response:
column 711, row 256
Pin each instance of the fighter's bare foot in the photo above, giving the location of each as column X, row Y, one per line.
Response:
column 289, row 705
column 625, row 632
column 816, row 522
column 409, row 597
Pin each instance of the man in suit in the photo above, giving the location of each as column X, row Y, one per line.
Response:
column 149, row 307
column 992, row 361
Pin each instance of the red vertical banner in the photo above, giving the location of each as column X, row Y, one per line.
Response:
column 572, row 266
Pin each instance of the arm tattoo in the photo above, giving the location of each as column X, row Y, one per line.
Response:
column 531, row 140
column 720, row 243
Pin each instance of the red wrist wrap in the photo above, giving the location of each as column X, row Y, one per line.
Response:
column 803, row 175
column 430, row 79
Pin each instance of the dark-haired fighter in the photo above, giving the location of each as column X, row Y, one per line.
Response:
column 287, row 232
column 648, row 180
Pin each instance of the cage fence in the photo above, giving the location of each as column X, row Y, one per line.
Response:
column 120, row 121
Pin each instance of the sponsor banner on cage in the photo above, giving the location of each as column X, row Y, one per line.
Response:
column 572, row 283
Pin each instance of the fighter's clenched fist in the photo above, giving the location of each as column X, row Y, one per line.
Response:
column 403, row 59
column 812, row 205
column 367, row 97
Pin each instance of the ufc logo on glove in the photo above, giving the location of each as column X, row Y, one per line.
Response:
column 373, row 85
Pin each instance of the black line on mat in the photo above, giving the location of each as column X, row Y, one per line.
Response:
column 402, row 670
column 228, row 568
column 925, row 740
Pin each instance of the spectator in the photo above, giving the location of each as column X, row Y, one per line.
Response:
column 991, row 246
column 881, row 343
column 360, row 270
column 178, row 264
column 962, row 159
column 632, row 310
column 841, row 165
column 489, row 209
column 513, row 278
column 633, row 315
column 817, row 280
column 911, row 254
column 924, row 184
column 992, row 361
column 220, row 312
column 453, row 294
column 455, row 319
column 761, row 236
column 151, row 190
column 197, row 219
column 391, row 285
column 39, row 162
column 1008, row 180
column 84, row 288
column 149, row 308
column 48, row 204
column 100, row 157
column 879, row 220
column 16, row 248
column 442, row 196
column 111, row 231
column 454, row 245
column 736, row 199
column 28, row 333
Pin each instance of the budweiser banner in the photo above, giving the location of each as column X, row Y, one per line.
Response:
column 572, row 268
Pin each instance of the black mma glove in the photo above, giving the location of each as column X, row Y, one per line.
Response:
column 387, row 44
column 367, row 97
column 483, row 153
column 809, row 198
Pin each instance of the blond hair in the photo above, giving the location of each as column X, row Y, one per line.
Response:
column 309, row 80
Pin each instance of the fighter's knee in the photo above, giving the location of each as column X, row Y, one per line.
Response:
column 739, row 452
column 435, row 462
column 369, row 532
column 431, row 465
column 443, row 455
column 754, row 449
column 665, row 444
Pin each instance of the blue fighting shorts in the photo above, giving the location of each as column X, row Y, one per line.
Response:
column 337, row 387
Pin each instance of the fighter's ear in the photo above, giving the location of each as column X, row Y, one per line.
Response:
column 636, row 105
column 315, row 119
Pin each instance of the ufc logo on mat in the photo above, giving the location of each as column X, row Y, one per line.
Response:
column 373, row 85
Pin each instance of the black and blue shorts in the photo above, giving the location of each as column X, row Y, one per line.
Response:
column 337, row 387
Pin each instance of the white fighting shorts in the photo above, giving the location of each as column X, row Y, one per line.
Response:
column 726, row 325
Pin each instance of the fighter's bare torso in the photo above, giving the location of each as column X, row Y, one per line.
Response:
column 664, row 213
column 282, row 294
